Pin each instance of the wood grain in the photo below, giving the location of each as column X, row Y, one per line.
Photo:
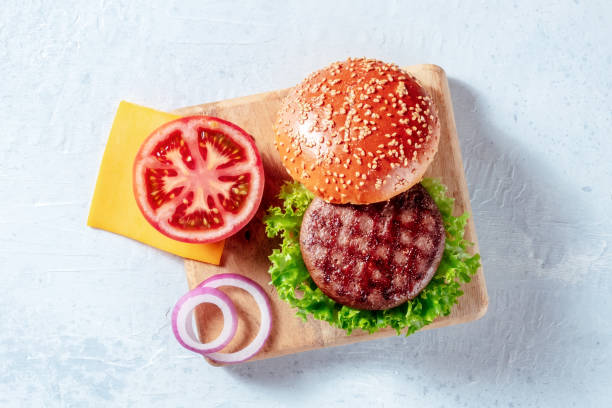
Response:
column 246, row 253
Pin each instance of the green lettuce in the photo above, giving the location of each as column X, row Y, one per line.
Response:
column 295, row 286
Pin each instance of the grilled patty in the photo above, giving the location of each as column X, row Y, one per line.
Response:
column 374, row 256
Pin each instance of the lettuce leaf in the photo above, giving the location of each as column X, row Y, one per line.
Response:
column 295, row 286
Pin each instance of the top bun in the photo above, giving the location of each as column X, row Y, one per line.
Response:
column 359, row 131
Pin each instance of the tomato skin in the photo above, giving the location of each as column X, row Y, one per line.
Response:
column 207, row 188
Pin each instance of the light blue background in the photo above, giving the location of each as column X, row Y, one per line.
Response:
column 84, row 314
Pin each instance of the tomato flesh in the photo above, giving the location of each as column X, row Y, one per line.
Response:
column 198, row 179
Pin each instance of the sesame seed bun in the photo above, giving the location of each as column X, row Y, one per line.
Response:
column 358, row 131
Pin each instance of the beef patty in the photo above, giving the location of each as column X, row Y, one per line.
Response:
column 374, row 256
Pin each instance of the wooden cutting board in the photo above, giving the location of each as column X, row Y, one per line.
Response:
column 247, row 252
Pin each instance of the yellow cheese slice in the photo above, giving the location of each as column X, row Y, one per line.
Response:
column 113, row 207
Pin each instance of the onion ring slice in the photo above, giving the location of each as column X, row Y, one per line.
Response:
column 242, row 282
column 182, row 315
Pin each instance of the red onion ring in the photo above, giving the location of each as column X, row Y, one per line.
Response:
column 182, row 315
column 242, row 282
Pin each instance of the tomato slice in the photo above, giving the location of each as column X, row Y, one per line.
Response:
column 198, row 179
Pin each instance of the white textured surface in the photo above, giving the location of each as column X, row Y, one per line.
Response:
column 84, row 314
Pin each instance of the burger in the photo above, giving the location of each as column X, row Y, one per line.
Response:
column 366, row 242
